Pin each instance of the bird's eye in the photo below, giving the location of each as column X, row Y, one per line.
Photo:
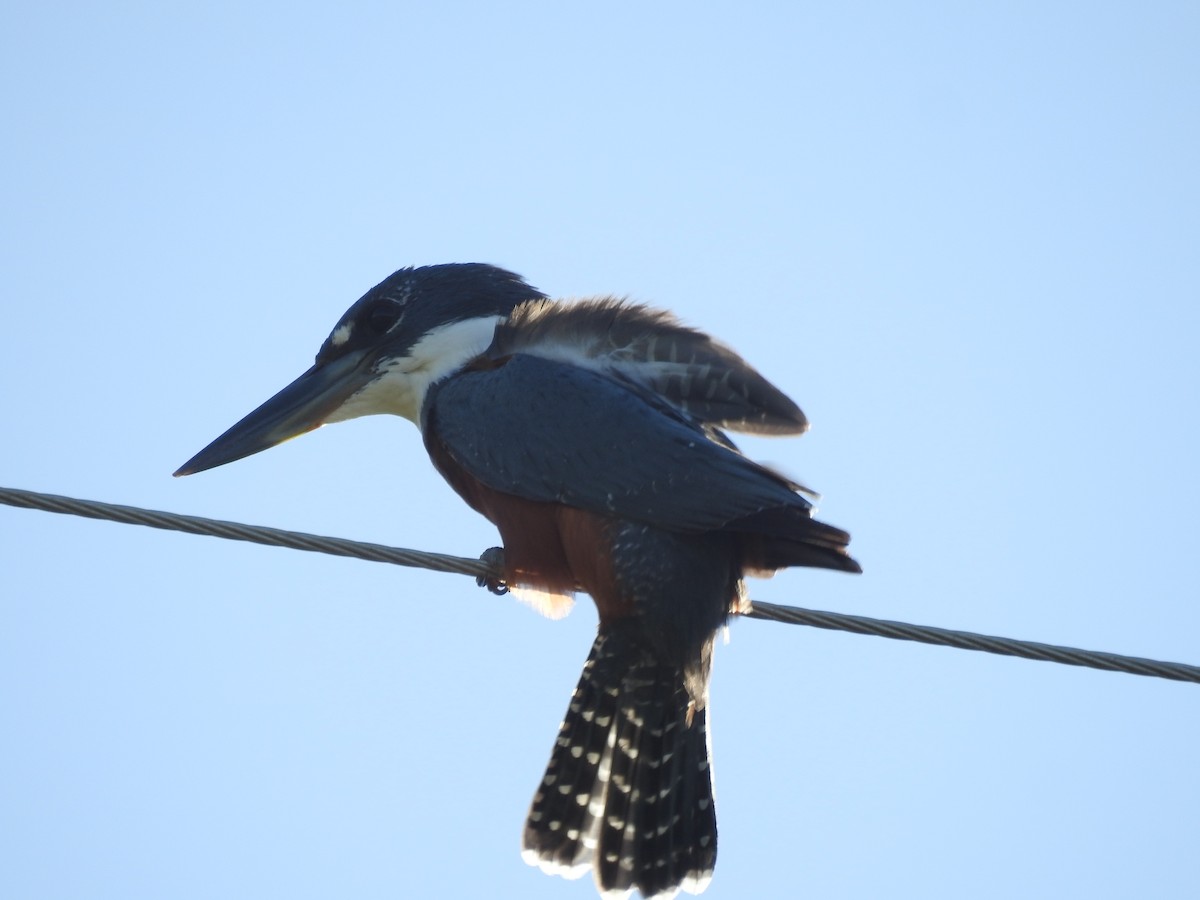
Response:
column 383, row 315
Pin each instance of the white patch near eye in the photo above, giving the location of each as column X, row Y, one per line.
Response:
column 341, row 334
column 400, row 386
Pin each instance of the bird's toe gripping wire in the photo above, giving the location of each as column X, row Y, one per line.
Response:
column 494, row 557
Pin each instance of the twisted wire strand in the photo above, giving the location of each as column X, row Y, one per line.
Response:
column 440, row 562
column 967, row 640
column 236, row 531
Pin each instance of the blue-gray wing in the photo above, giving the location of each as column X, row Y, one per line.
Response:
column 548, row 430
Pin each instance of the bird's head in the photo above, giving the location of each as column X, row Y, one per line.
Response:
column 413, row 328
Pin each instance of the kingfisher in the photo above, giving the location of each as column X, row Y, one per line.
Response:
column 592, row 434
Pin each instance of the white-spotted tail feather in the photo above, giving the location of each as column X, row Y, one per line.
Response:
column 628, row 791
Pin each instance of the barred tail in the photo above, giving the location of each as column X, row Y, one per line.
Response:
column 628, row 791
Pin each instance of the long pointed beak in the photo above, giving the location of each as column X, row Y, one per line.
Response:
column 302, row 406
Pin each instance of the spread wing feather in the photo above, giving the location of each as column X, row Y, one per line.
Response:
column 692, row 371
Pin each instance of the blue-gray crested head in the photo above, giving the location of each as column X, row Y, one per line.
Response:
column 416, row 326
column 414, row 302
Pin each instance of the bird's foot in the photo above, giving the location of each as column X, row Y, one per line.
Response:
column 494, row 557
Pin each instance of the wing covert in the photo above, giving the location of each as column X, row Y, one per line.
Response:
column 547, row 430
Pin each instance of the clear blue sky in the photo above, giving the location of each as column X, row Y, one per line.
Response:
column 962, row 236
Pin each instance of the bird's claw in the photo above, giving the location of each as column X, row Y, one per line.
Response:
column 494, row 557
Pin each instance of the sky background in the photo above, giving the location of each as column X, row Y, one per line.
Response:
column 964, row 237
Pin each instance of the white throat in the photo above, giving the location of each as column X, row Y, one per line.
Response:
column 400, row 385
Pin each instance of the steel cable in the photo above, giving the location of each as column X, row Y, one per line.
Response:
column 440, row 562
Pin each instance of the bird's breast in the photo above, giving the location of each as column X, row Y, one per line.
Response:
column 547, row 545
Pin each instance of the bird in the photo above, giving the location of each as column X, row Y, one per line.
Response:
column 593, row 434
